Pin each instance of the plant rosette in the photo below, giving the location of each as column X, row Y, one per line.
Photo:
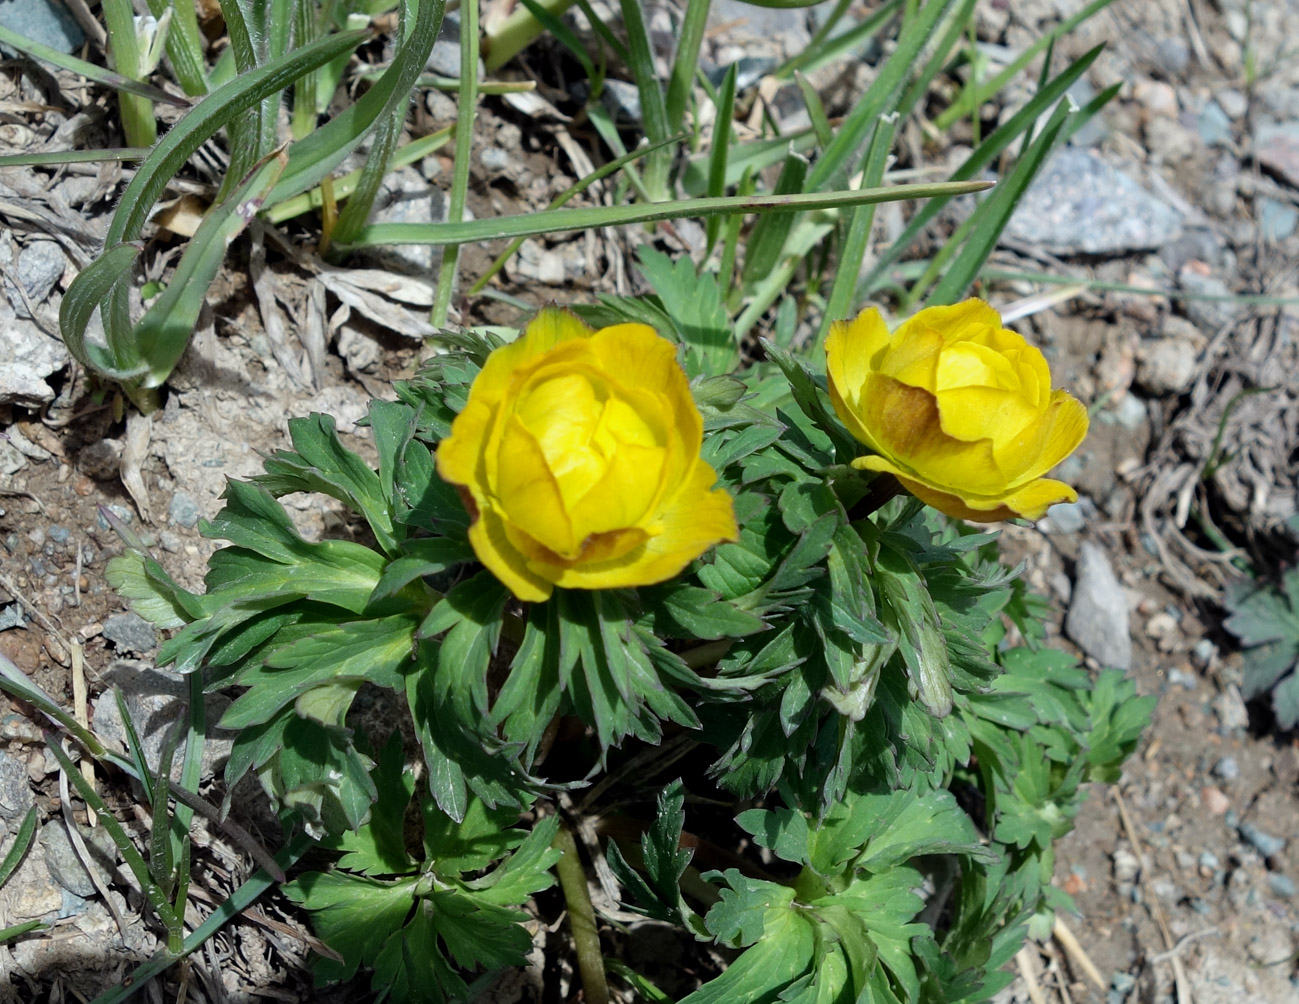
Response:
column 577, row 456
column 958, row 408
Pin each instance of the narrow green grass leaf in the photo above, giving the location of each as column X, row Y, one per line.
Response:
column 993, row 215
column 919, row 86
column 466, row 111
column 58, row 158
column 206, row 118
column 815, row 111
column 767, row 239
column 564, row 35
column 686, row 63
column 654, row 112
column 560, row 220
column 185, row 46
column 838, row 156
column 721, row 147
column 91, row 288
column 857, row 231
column 983, row 155
column 974, row 97
column 164, row 331
column 22, row 841
column 563, row 198
column 88, row 70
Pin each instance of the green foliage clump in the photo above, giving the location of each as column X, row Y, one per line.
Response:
column 1266, row 620
column 845, row 673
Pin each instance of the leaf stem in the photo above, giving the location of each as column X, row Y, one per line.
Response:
column 581, row 918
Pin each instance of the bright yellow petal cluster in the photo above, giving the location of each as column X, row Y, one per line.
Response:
column 958, row 408
column 577, row 454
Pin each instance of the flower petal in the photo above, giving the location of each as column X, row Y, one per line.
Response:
column 459, row 456
column 696, row 519
column 905, row 422
column 494, row 549
column 528, row 493
column 1043, row 445
column 549, row 328
column 850, row 351
column 954, row 323
column 1029, row 501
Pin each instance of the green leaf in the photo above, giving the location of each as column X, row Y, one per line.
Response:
column 684, row 611
column 368, row 651
column 352, row 914
column 319, row 462
column 739, row 918
column 693, row 302
column 379, row 847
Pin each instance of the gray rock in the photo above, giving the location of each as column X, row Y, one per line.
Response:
column 28, row 357
column 1261, row 841
column 622, row 101
column 1186, row 681
column 1214, row 125
column 1067, row 517
column 1173, row 55
column 41, row 21
column 155, row 700
column 494, row 159
column 1204, row 653
column 11, row 616
column 65, row 865
column 16, row 795
column 1281, row 885
column 1195, row 244
column 1131, row 412
column 1166, row 365
column 183, row 510
column 40, row 266
column 1212, row 307
column 444, row 60
column 1098, row 610
column 1227, row 768
column 131, row 633
column 1232, row 102
column 1273, row 946
column 29, row 893
column 1277, row 149
column 1081, row 205
column 1276, row 220
column 1095, row 130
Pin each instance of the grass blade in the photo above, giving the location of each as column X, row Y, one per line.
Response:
column 723, row 127
column 90, row 71
column 165, row 329
column 58, row 158
column 767, row 239
column 837, row 158
column 983, row 155
column 563, row 198
column 185, row 46
column 686, row 62
column 975, row 96
column 654, row 113
column 18, row 849
column 559, row 220
column 466, row 111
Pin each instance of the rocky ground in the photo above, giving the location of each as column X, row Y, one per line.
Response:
column 1180, row 203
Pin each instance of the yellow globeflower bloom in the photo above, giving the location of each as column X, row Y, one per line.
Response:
column 577, row 455
column 959, row 409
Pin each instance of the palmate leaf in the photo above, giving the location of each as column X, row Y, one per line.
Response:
column 658, row 895
column 319, row 462
column 693, row 304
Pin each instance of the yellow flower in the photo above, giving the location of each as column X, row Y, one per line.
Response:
column 577, row 454
column 959, row 409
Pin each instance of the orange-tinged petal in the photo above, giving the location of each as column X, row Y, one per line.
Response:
column 1029, row 501
column 528, row 494
column 1042, row 446
column 906, row 424
column 695, row 520
column 913, row 360
column 498, row 554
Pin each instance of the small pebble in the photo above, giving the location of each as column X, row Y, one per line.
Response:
column 183, row 510
column 1281, row 885
column 59, row 534
column 1215, row 801
column 11, row 616
column 1264, row 843
column 1182, row 679
column 1204, row 652
column 1208, row 860
column 1227, row 768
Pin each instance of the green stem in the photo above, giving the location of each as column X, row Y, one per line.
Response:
column 464, row 146
column 581, row 918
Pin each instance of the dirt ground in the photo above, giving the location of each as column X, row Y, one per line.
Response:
column 1184, row 874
